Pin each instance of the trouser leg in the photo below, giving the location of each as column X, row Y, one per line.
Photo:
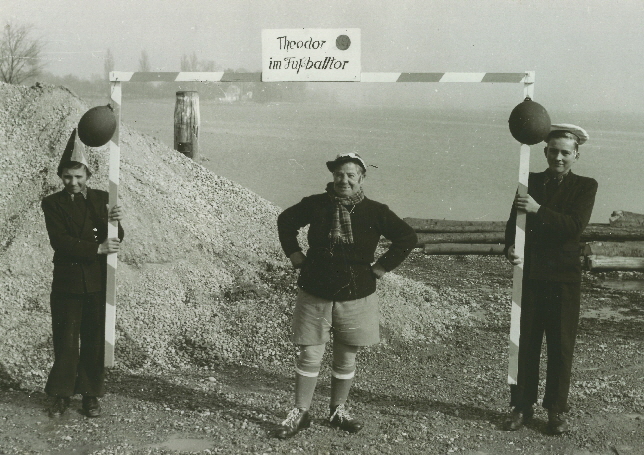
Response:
column 90, row 377
column 307, row 370
column 524, row 393
column 66, row 315
column 343, row 371
column 561, row 332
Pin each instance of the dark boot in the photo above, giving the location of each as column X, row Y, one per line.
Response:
column 58, row 407
column 297, row 419
column 341, row 419
column 557, row 423
column 91, row 407
column 518, row 417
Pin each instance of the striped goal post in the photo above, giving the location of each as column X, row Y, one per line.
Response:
column 526, row 78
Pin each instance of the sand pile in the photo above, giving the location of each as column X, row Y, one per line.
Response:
column 202, row 277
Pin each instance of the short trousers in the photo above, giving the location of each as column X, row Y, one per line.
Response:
column 352, row 322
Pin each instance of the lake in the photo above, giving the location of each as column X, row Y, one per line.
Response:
column 431, row 163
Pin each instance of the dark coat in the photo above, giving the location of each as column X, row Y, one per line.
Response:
column 343, row 272
column 553, row 233
column 78, row 268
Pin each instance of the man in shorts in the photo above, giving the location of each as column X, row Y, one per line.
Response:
column 337, row 283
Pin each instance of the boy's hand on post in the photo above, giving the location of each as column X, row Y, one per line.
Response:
column 109, row 246
column 115, row 213
column 513, row 257
column 526, row 203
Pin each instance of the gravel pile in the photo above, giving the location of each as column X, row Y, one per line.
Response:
column 202, row 278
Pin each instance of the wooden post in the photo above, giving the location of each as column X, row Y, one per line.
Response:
column 112, row 226
column 519, row 248
column 186, row 124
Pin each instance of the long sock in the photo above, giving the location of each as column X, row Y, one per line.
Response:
column 339, row 390
column 304, row 388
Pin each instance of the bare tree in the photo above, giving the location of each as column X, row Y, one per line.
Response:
column 19, row 54
column 192, row 63
column 108, row 63
column 144, row 62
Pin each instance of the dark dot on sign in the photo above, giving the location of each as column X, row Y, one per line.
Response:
column 343, row 42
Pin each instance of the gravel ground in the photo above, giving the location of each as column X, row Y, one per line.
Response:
column 205, row 296
column 414, row 397
column 201, row 276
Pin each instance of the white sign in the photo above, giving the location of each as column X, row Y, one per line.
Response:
column 311, row 54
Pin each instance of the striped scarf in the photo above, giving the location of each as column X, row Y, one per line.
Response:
column 341, row 226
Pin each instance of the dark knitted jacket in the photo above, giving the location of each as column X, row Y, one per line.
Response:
column 343, row 272
column 553, row 233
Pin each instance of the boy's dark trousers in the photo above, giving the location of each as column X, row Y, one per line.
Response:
column 77, row 369
column 552, row 308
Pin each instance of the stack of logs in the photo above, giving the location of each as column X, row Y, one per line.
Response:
column 617, row 245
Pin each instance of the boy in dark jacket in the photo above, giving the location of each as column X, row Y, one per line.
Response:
column 76, row 219
column 558, row 206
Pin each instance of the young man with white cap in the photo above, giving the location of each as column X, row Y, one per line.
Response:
column 76, row 219
column 558, row 206
column 337, row 283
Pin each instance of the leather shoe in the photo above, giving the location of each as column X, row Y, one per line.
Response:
column 557, row 423
column 297, row 420
column 341, row 420
column 58, row 407
column 91, row 407
column 518, row 417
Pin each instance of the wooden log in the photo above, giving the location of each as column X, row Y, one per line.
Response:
column 461, row 237
column 625, row 249
column 463, row 248
column 623, row 218
column 429, row 225
column 186, row 123
column 596, row 262
column 599, row 231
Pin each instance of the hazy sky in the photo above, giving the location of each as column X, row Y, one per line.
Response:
column 588, row 55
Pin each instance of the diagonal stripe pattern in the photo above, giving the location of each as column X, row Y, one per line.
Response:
column 517, row 287
column 122, row 76
column 112, row 228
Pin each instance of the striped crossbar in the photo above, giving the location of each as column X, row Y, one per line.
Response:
column 117, row 77
column 526, row 77
column 220, row 76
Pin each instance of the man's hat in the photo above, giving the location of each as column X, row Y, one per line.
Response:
column 74, row 153
column 346, row 158
column 582, row 135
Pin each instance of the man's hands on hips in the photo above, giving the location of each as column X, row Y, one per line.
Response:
column 297, row 259
column 378, row 270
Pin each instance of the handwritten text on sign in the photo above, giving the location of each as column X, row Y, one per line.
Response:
column 308, row 54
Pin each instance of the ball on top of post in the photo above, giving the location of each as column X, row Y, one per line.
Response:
column 97, row 126
column 529, row 122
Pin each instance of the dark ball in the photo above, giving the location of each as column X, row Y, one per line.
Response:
column 529, row 122
column 96, row 127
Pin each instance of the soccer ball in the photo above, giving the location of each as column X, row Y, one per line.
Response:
column 97, row 126
column 529, row 122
